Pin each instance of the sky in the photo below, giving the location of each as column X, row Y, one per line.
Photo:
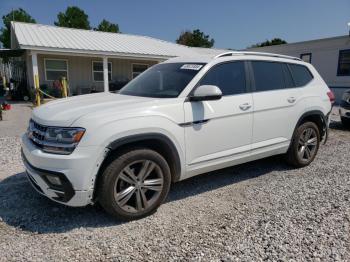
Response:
column 233, row 24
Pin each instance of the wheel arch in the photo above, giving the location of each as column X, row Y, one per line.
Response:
column 155, row 141
column 317, row 117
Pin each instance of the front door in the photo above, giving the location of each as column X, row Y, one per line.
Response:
column 222, row 129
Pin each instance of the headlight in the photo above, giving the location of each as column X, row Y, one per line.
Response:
column 62, row 140
column 64, row 135
column 56, row 140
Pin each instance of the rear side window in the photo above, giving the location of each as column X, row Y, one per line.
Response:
column 301, row 75
column 229, row 77
column 288, row 80
column 268, row 76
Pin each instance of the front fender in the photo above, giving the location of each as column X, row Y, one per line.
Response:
column 113, row 134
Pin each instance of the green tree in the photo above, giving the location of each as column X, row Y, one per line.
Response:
column 73, row 17
column 19, row 15
column 106, row 26
column 196, row 38
column 274, row 41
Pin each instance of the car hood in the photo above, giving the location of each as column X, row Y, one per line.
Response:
column 64, row 112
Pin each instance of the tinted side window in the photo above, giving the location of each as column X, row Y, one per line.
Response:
column 288, row 80
column 268, row 76
column 301, row 74
column 229, row 77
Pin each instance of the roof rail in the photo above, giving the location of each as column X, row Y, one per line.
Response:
column 232, row 53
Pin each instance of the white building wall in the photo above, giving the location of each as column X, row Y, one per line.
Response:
column 80, row 70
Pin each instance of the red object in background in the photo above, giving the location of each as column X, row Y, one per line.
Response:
column 6, row 107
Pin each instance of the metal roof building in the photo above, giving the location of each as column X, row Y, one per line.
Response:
column 59, row 39
column 90, row 60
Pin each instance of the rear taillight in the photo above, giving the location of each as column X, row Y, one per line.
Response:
column 331, row 96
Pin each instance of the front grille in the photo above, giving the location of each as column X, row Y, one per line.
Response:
column 38, row 136
column 36, row 133
column 39, row 127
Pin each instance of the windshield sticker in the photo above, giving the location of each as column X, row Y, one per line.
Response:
column 191, row 67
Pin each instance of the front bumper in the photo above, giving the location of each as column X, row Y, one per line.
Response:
column 62, row 192
column 76, row 173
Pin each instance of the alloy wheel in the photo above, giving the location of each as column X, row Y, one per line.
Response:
column 307, row 144
column 138, row 186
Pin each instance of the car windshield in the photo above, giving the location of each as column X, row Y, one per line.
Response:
column 162, row 80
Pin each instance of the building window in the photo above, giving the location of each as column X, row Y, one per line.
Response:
column 55, row 69
column 306, row 57
column 138, row 69
column 344, row 63
column 97, row 71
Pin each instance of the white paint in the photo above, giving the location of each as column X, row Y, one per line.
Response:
column 228, row 124
column 240, row 128
column 105, row 74
column 35, row 67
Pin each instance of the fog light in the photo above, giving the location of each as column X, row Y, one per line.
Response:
column 54, row 180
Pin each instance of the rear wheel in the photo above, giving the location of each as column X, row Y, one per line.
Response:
column 304, row 145
column 134, row 184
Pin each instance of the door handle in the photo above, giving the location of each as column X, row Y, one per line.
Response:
column 245, row 106
column 291, row 99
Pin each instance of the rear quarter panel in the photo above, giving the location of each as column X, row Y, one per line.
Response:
column 314, row 96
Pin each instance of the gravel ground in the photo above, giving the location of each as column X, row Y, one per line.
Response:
column 258, row 211
column 14, row 124
column 15, row 121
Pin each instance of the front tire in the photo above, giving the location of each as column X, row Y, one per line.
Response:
column 304, row 145
column 134, row 184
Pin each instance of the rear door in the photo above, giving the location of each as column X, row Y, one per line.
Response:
column 220, row 130
column 275, row 100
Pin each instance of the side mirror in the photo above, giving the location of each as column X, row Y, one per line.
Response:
column 205, row 93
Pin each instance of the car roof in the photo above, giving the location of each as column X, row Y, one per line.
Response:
column 191, row 59
column 232, row 55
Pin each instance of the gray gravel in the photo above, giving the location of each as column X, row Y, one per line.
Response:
column 15, row 121
column 258, row 211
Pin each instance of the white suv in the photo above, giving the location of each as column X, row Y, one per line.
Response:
column 178, row 119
